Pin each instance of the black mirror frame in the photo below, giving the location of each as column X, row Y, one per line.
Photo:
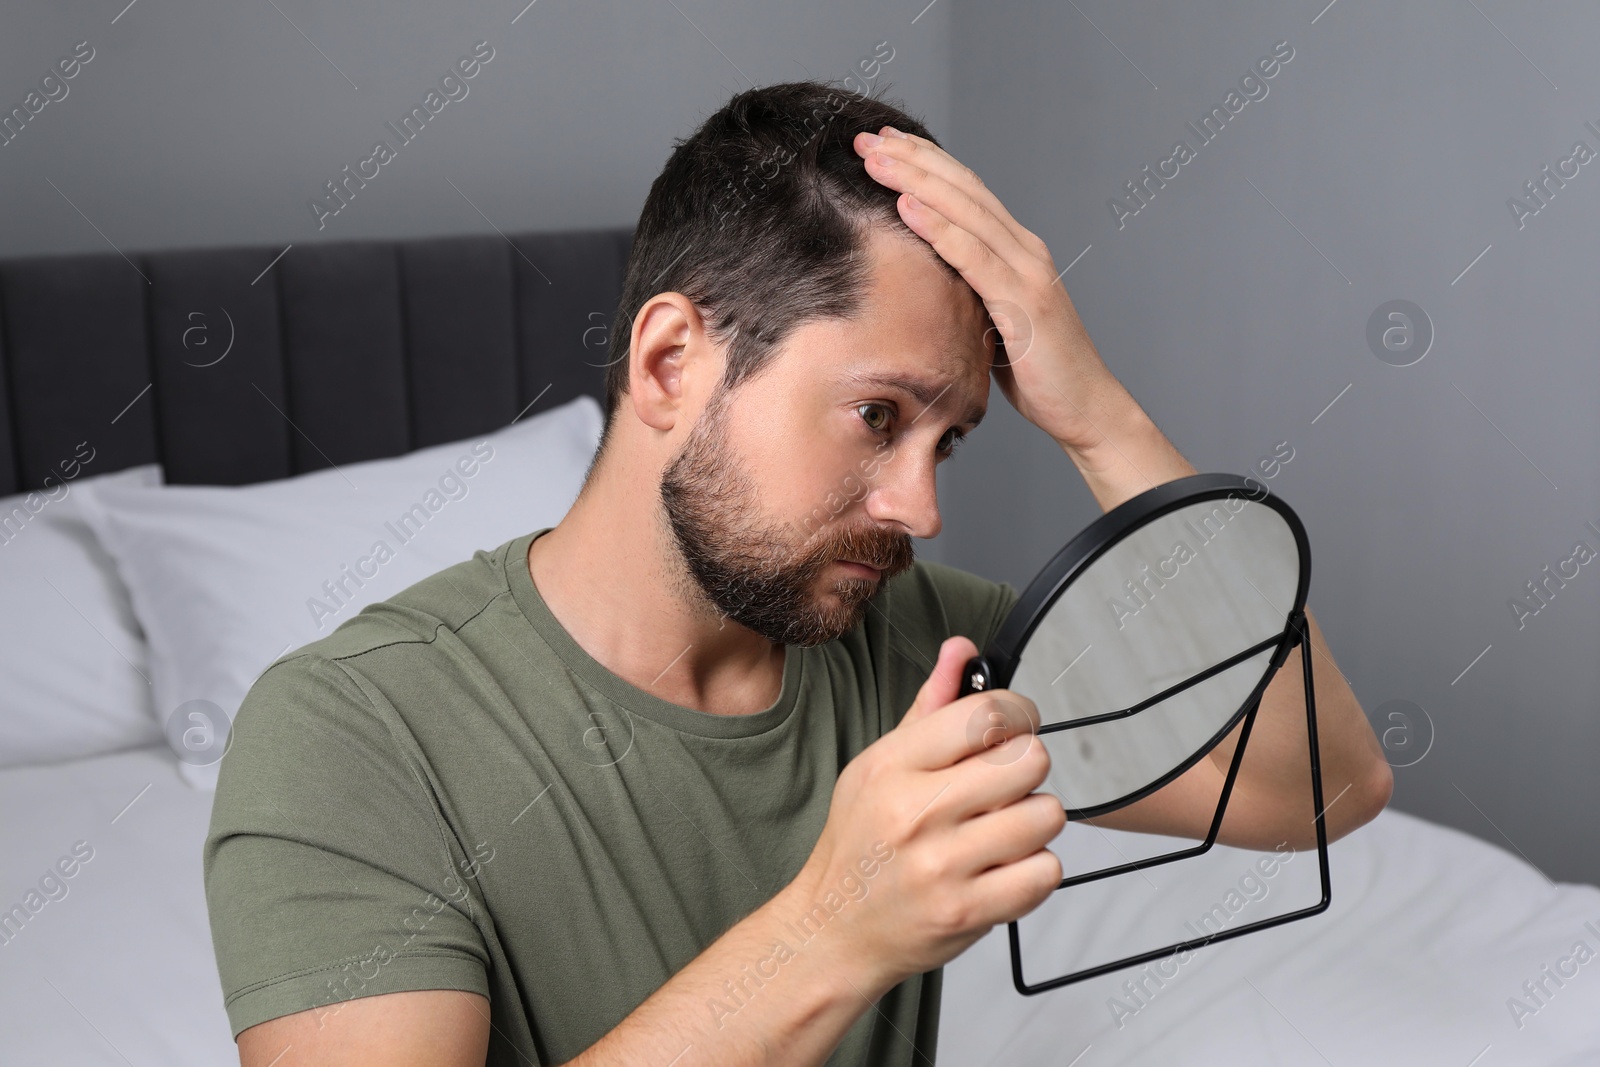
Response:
column 995, row 667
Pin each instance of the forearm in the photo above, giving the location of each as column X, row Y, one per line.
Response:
column 743, row 1001
column 1129, row 455
column 1276, row 771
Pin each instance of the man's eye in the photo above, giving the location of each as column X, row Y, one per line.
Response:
column 951, row 441
column 868, row 411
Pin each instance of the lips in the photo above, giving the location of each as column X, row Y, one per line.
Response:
column 875, row 571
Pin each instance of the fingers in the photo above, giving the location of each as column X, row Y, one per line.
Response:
column 971, row 255
column 1013, row 890
column 929, row 159
column 1009, row 834
column 990, row 781
column 964, row 234
column 987, row 724
column 944, row 682
column 956, row 194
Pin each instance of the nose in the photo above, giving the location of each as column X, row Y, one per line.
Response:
column 905, row 492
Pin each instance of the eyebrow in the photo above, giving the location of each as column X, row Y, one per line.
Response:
column 924, row 392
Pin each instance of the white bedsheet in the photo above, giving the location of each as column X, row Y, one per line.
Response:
column 1429, row 933
column 119, row 970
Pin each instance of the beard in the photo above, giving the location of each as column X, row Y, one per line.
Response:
column 763, row 575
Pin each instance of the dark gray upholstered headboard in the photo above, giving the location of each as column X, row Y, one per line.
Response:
column 341, row 352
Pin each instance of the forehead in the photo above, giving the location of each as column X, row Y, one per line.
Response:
column 921, row 330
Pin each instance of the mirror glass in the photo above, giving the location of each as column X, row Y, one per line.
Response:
column 1181, row 593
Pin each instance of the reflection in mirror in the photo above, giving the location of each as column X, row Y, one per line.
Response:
column 1183, row 593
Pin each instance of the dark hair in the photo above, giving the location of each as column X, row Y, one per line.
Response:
column 760, row 217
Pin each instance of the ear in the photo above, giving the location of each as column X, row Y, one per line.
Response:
column 667, row 356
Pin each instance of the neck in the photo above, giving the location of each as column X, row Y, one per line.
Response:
column 611, row 574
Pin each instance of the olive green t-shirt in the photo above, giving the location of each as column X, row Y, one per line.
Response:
column 447, row 792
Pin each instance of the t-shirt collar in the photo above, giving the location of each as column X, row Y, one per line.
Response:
column 625, row 694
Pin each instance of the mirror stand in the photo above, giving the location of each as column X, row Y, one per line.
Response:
column 1296, row 633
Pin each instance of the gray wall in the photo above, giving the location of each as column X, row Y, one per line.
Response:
column 205, row 124
column 1235, row 305
column 1381, row 160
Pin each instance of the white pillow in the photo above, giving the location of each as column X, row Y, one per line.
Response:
column 71, row 653
column 227, row 579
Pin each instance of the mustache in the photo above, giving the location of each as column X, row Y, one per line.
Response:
column 888, row 552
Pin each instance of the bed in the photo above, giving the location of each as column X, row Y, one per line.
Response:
column 265, row 379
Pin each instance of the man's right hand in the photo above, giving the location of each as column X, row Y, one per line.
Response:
column 934, row 833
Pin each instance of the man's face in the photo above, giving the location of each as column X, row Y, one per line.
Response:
column 828, row 454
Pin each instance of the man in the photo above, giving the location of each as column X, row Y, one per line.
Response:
column 683, row 780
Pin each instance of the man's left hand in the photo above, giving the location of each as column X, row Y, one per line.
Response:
column 1051, row 372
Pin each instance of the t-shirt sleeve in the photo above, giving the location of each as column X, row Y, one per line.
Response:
column 328, row 875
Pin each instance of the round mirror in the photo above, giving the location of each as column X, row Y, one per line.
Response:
column 1152, row 633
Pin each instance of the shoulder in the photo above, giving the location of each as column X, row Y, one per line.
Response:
column 447, row 599
column 325, row 689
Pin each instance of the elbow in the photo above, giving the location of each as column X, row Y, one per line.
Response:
column 1367, row 796
column 1382, row 789
column 1378, row 791
column 1347, row 807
